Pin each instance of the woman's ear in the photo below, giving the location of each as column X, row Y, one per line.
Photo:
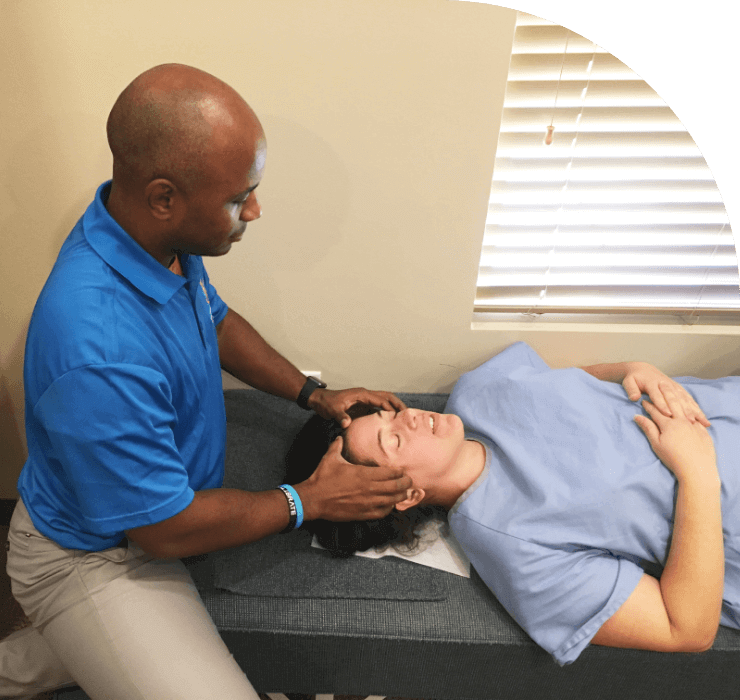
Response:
column 414, row 496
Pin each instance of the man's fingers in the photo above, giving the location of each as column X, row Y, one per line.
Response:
column 383, row 399
column 335, row 449
column 396, row 403
column 389, row 479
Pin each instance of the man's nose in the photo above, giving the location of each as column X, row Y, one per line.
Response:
column 252, row 210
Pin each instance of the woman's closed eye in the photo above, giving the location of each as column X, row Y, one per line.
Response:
column 387, row 440
column 391, row 441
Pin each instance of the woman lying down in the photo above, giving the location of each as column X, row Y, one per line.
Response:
column 591, row 517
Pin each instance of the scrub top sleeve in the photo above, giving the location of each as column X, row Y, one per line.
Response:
column 218, row 308
column 110, row 431
column 559, row 597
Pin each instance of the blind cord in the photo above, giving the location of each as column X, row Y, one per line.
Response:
column 543, row 292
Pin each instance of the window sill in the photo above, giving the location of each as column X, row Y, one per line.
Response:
column 604, row 324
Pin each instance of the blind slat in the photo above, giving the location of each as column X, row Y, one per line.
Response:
column 570, row 93
column 655, row 192
column 619, row 212
column 599, row 119
column 600, row 169
column 635, row 238
column 527, row 66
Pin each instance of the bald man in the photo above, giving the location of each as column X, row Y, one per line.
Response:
column 125, row 414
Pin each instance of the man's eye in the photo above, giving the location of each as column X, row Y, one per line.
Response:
column 398, row 441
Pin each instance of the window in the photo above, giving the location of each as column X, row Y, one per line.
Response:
column 619, row 214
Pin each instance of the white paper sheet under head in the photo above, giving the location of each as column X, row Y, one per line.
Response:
column 443, row 552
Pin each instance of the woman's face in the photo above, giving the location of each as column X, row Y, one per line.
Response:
column 426, row 444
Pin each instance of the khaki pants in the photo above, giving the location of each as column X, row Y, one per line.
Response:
column 119, row 623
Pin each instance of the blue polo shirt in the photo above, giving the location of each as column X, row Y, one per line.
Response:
column 125, row 415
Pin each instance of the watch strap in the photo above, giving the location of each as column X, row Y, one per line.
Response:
column 308, row 388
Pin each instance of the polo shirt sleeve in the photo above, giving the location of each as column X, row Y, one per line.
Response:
column 110, row 429
column 560, row 598
column 218, row 307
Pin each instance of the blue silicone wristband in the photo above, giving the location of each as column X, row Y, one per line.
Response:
column 298, row 504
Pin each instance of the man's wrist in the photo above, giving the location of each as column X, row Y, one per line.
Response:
column 295, row 507
column 309, row 387
column 315, row 399
column 308, row 502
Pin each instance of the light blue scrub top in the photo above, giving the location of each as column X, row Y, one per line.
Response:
column 573, row 505
column 125, row 415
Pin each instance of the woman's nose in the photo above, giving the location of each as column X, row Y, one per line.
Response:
column 412, row 415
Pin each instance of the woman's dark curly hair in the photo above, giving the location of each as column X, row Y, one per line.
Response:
column 342, row 539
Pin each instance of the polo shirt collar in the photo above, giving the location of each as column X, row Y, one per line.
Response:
column 124, row 254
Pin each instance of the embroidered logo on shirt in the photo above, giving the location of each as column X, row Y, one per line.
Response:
column 208, row 301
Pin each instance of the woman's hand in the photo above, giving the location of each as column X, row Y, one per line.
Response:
column 335, row 404
column 683, row 445
column 643, row 378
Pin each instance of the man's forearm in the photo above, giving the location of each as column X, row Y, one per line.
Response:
column 693, row 579
column 216, row 519
column 244, row 353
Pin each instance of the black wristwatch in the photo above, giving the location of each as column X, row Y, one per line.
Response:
column 308, row 388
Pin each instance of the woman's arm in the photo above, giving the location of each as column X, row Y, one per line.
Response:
column 640, row 378
column 609, row 371
column 693, row 579
column 681, row 612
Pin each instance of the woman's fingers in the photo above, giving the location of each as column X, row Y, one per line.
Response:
column 658, row 418
column 631, row 387
column 648, row 427
column 691, row 408
column 683, row 401
column 658, row 397
column 669, row 397
column 652, row 428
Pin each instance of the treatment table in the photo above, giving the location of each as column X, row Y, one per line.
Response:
column 298, row 621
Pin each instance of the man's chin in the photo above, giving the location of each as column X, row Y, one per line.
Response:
column 215, row 252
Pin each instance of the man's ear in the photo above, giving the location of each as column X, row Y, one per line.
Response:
column 414, row 496
column 160, row 197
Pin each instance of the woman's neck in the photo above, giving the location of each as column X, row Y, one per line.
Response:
column 468, row 467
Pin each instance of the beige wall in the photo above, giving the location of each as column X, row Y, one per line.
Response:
column 381, row 118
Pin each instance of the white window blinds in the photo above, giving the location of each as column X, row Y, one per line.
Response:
column 618, row 214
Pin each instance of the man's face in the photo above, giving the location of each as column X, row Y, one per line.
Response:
column 218, row 212
column 425, row 444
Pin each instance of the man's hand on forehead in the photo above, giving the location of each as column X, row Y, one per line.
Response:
column 329, row 403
